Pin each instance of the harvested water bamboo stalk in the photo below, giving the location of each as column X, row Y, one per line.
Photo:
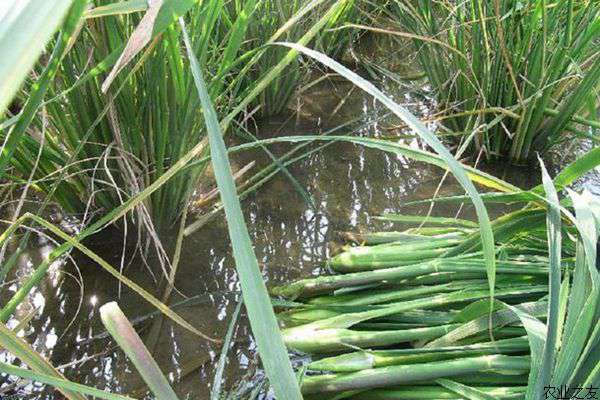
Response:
column 350, row 315
column 436, row 393
column 324, row 284
column 360, row 360
column 371, row 297
column 408, row 374
column 331, row 340
column 363, row 258
column 378, row 325
column 374, row 238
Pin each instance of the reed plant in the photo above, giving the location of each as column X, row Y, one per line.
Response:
column 20, row 137
column 109, row 134
column 274, row 98
column 511, row 77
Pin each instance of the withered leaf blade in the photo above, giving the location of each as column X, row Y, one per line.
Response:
column 140, row 37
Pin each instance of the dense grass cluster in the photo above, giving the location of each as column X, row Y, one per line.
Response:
column 105, row 144
column 513, row 77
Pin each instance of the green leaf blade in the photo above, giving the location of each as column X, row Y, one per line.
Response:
column 271, row 348
column 24, row 31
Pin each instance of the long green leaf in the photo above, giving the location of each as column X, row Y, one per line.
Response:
column 25, row 28
column 40, row 87
column 580, row 325
column 60, row 383
column 118, row 8
column 215, row 392
column 474, row 174
column 128, row 340
column 499, row 318
column 578, row 168
column 553, row 227
column 258, row 305
column 536, row 334
column 464, row 390
column 38, row 364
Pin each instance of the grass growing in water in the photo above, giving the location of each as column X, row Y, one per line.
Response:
column 517, row 74
column 102, row 148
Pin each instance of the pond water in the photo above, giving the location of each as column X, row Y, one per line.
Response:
column 348, row 185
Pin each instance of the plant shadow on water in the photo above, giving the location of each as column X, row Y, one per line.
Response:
column 348, row 184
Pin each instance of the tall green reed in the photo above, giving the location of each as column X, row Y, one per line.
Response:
column 112, row 145
column 273, row 99
column 532, row 66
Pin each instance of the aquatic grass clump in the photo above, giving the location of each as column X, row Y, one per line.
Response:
column 513, row 77
column 401, row 331
column 113, row 129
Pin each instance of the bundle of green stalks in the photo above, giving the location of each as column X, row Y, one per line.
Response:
column 512, row 77
column 103, row 143
column 409, row 314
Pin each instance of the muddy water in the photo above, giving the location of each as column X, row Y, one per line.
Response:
column 348, row 185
